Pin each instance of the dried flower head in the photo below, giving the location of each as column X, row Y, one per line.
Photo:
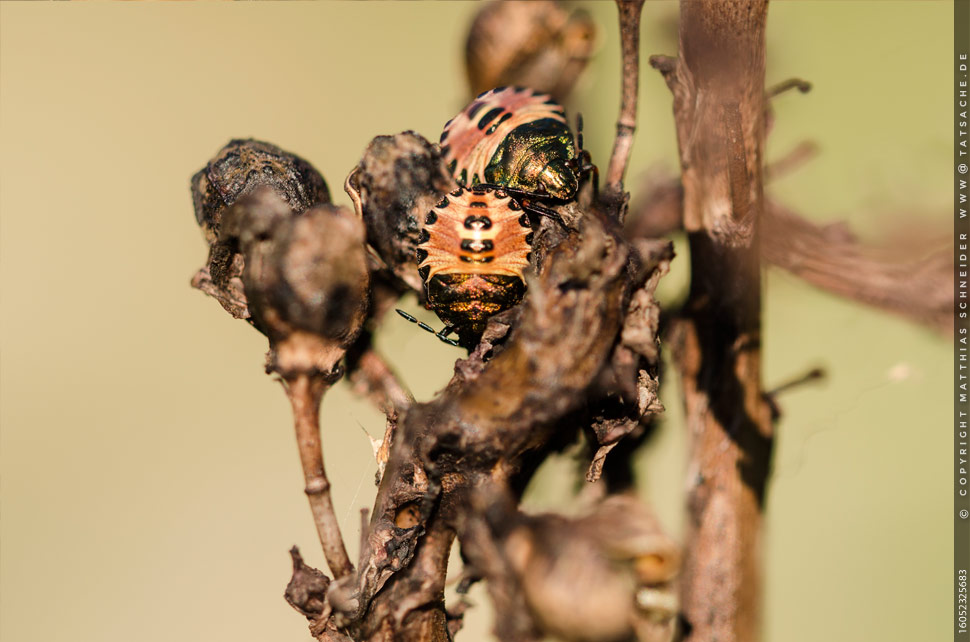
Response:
column 238, row 169
column 532, row 44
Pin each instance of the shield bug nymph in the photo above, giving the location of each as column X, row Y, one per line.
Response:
column 474, row 248
column 517, row 139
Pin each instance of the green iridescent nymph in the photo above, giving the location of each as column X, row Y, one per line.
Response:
column 535, row 158
column 514, row 138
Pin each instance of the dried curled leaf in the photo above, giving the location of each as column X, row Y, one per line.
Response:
column 307, row 590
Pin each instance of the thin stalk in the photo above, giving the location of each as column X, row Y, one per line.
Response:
column 627, row 123
column 305, row 392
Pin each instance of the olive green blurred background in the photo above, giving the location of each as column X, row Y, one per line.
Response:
column 150, row 484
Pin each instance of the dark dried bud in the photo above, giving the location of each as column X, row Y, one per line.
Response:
column 307, row 590
column 242, row 166
column 305, row 277
column 528, row 44
column 399, row 179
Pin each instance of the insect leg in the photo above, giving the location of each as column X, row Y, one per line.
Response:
column 493, row 187
column 579, row 133
column 424, row 326
column 545, row 211
column 526, row 200
column 443, row 335
column 583, row 165
column 586, row 165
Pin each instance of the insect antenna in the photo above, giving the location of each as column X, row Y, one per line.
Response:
column 443, row 334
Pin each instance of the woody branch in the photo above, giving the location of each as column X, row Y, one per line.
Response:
column 718, row 87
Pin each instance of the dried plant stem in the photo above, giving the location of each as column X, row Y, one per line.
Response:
column 305, row 392
column 373, row 378
column 411, row 606
column 627, row 122
column 719, row 107
column 913, row 282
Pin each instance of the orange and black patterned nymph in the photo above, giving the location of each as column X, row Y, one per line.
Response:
column 474, row 248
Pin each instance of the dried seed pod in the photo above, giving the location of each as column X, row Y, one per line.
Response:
column 399, row 179
column 238, row 169
column 572, row 588
column 305, row 278
column 534, row 44
column 627, row 530
column 242, row 166
column 618, row 557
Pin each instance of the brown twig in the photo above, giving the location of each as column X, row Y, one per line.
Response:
column 919, row 288
column 792, row 83
column 737, row 162
column 626, row 124
column 412, row 601
column 371, row 377
column 803, row 152
column 815, row 374
column 305, row 392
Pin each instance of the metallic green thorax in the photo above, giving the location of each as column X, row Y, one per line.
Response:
column 537, row 158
